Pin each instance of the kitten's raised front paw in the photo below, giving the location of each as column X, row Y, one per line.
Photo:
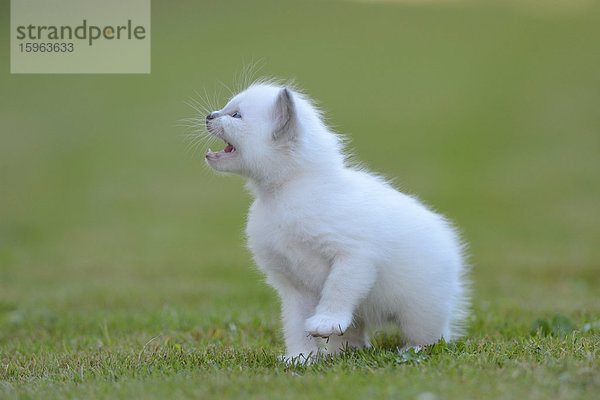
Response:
column 322, row 325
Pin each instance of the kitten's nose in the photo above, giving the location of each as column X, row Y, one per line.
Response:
column 210, row 117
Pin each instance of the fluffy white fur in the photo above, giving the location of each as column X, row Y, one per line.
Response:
column 344, row 250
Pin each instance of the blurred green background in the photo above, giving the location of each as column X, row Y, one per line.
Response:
column 111, row 230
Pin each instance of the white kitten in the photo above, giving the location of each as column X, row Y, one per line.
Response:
column 344, row 250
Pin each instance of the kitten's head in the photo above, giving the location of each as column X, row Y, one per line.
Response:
column 269, row 131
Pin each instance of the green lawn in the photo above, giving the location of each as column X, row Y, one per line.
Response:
column 123, row 271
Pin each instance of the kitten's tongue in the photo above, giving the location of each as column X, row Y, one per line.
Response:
column 228, row 149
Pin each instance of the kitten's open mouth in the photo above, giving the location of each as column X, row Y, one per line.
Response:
column 228, row 151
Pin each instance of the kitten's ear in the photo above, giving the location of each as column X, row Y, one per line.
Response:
column 284, row 114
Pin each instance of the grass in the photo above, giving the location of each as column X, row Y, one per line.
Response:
column 123, row 271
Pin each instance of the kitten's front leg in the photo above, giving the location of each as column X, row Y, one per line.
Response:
column 348, row 283
column 295, row 308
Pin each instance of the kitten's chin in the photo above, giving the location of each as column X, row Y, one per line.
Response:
column 223, row 161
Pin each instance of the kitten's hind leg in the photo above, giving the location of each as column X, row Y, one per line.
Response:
column 421, row 328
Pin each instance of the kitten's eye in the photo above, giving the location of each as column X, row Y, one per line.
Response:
column 236, row 115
